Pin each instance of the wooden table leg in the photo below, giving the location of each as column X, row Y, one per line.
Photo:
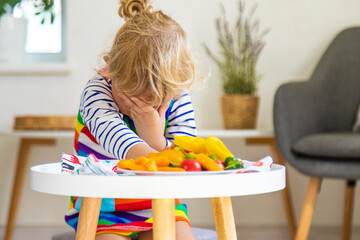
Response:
column 88, row 218
column 19, row 177
column 285, row 193
column 163, row 219
column 224, row 218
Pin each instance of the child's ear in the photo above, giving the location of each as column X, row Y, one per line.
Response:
column 106, row 59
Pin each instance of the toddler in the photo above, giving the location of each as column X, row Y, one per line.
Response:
column 134, row 106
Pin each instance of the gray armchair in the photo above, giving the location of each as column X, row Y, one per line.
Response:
column 313, row 123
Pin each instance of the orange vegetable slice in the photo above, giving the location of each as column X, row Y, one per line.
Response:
column 207, row 163
column 151, row 155
column 129, row 164
column 171, row 169
column 141, row 161
column 161, row 161
column 151, row 166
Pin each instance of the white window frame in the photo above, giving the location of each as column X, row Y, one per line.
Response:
column 52, row 57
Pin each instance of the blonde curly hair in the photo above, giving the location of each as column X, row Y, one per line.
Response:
column 149, row 52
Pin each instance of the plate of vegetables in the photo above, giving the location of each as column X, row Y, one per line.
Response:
column 190, row 156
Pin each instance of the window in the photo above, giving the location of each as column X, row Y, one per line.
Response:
column 45, row 38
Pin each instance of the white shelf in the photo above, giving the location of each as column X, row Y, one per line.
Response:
column 225, row 133
column 220, row 133
column 34, row 69
column 60, row 134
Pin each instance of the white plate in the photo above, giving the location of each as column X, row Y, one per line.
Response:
column 160, row 173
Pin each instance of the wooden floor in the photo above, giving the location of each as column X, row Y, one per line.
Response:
column 248, row 233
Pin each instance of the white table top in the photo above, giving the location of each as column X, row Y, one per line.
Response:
column 47, row 178
column 221, row 133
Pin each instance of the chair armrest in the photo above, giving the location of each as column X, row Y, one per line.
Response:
column 296, row 114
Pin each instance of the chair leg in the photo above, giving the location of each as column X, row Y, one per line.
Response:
column 348, row 209
column 308, row 208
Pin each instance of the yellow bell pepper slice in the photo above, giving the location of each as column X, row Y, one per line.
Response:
column 192, row 144
column 174, row 156
column 215, row 146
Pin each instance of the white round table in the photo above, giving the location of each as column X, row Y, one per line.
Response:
column 47, row 178
column 29, row 139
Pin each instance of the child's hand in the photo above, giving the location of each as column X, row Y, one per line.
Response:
column 149, row 122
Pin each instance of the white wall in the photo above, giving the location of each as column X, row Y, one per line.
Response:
column 300, row 32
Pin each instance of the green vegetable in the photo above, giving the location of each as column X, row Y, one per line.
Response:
column 190, row 156
column 234, row 166
column 227, row 160
column 212, row 156
column 180, row 149
column 173, row 164
column 233, row 163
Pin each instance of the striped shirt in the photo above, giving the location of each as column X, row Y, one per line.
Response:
column 107, row 133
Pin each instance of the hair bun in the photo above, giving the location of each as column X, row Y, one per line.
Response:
column 129, row 8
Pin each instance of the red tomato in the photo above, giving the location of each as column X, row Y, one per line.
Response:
column 220, row 163
column 191, row 165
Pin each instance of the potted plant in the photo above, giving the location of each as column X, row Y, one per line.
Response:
column 44, row 7
column 240, row 49
column 13, row 30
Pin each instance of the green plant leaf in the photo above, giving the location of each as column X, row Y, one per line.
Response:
column 7, row 5
column 45, row 7
column 12, row 3
column 240, row 48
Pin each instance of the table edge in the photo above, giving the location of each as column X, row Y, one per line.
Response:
column 155, row 186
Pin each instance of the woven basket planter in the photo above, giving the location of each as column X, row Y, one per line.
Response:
column 239, row 111
column 45, row 123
